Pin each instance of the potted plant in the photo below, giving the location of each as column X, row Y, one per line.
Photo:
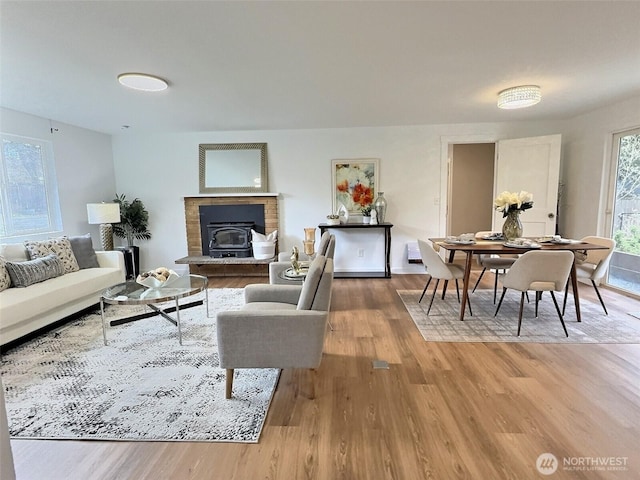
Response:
column 366, row 214
column 134, row 225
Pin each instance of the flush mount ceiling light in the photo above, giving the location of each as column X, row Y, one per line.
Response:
column 142, row 81
column 519, row 97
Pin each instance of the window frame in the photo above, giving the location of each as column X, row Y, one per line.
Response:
column 54, row 216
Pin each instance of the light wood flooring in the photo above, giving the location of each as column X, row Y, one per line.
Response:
column 441, row 410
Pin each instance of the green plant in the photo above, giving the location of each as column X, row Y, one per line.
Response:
column 628, row 241
column 134, row 220
column 366, row 211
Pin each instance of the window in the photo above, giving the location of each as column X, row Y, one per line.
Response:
column 624, row 269
column 29, row 195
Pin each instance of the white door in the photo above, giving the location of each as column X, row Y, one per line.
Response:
column 530, row 164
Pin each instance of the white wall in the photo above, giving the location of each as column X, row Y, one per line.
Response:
column 83, row 162
column 587, row 152
column 163, row 168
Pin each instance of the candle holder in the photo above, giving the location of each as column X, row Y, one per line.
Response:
column 309, row 241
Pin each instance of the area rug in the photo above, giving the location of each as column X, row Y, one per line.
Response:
column 143, row 386
column 443, row 325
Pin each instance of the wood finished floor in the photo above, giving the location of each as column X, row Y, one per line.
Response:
column 441, row 410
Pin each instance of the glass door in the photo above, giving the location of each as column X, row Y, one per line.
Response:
column 624, row 269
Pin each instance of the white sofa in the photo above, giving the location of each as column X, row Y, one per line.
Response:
column 27, row 309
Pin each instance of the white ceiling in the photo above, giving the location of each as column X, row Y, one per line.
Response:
column 302, row 64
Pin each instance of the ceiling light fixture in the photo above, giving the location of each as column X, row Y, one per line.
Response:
column 519, row 97
column 142, row 81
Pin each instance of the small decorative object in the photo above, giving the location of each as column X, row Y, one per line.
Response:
column 380, row 206
column 511, row 204
column 366, row 214
column 160, row 277
column 333, row 219
column 309, row 241
column 343, row 214
column 295, row 259
column 374, row 217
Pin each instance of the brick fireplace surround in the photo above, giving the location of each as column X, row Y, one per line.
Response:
column 203, row 264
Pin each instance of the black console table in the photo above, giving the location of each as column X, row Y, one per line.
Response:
column 386, row 226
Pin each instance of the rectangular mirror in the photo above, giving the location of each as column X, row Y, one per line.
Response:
column 233, row 167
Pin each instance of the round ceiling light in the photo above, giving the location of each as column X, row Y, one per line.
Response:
column 142, row 81
column 519, row 97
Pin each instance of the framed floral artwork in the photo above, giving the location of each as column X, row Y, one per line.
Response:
column 354, row 183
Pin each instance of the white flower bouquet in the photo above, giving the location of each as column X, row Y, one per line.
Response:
column 509, row 201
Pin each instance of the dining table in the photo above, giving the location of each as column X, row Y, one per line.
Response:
column 481, row 246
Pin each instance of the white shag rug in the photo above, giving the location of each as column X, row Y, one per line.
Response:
column 67, row 384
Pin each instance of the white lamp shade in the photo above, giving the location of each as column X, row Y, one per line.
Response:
column 103, row 213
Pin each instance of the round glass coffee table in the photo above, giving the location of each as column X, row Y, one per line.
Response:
column 132, row 293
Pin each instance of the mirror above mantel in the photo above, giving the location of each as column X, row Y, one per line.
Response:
column 233, row 168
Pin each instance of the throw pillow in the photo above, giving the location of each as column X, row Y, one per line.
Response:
column 5, row 279
column 27, row 273
column 82, row 248
column 59, row 246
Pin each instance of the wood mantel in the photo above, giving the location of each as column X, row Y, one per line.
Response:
column 225, row 266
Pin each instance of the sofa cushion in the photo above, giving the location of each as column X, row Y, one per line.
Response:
column 82, row 247
column 5, row 279
column 33, row 271
column 59, row 246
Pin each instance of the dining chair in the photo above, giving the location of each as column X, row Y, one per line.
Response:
column 593, row 267
column 438, row 269
column 540, row 271
column 493, row 262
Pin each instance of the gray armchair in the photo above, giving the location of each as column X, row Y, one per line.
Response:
column 279, row 326
column 326, row 247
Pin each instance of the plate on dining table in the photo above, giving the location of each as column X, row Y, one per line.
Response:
column 493, row 236
column 522, row 245
column 460, row 242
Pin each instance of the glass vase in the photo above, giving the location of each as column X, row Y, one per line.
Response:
column 380, row 205
column 512, row 227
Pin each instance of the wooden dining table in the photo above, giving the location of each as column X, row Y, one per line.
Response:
column 497, row 247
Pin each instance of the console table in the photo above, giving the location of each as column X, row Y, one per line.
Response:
column 386, row 226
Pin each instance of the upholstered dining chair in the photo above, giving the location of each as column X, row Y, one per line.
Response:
column 326, row 247
column 493, row 262
column 593, row 267
column 438, row 269
column 540, row 271
column 279, row 326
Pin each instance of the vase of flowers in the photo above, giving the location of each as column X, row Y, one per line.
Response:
column 511, row 205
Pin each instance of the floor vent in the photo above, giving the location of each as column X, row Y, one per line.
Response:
column 380, row 364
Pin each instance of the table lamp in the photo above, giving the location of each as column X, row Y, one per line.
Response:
column 104, row 214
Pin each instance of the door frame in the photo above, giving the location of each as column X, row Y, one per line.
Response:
column 446, row 150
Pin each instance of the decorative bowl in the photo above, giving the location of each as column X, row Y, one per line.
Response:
column 152, row 282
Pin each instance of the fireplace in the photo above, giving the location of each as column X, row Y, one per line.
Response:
column 198, row 259
column 226, row 229
column 230, row 240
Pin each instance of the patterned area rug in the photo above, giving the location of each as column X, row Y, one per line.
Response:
column 143, row 386
column 442, row 324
